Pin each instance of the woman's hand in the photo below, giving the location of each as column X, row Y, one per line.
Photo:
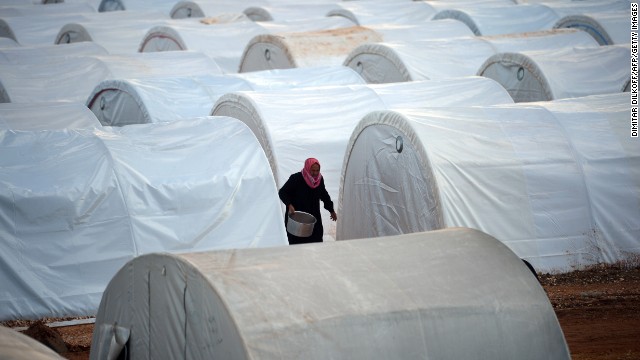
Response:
column 291, row 209
column 334, row 217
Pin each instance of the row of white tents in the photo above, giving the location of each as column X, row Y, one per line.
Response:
column 137, row 180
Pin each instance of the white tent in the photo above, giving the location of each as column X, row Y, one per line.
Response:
column 75, row 205
column 207, row 8
column 61, row 8
column 384, row 12
column 292, row 126
column 29, row 30
column 562, row 73
column 557, row 182
column 17, row 346
column 330, row 47
column 52, row 115
column 118, row 36
column 222, row 42
column 439, row 5
column 451, row 294
column 288, row 12
column 6, row 43
column 445, row 58
column 566, row 8
column 136, row 5
column 506, row 19
column 73, row 79
column 606, row 28
column 47, row 53
column 138, row 101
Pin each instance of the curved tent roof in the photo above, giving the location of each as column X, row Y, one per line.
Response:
column 557, row 181
column 206, row 8
column 380, row 12
column 562, row 73
column 606, row 28
column 451, row 294
column 225, row 45
column 566, row 8
column 17, row 346
column 61, row 8
column 32, row 30
column 136, row 5
column 287, row 12
column 316, row 122
column 52, row 115
column 443, row 58
column 75, row 78
column 45, row 53
column 223, row 42
column 503, row 19
column 137, row 101
column 330, row 47
column 98, row 198
column 118, row 36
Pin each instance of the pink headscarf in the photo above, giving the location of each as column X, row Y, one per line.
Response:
column 313, row 182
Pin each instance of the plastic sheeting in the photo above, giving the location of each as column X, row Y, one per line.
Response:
column 61, row 8
column 562, row 73
column 330, row 47
column 206, row 8
column 32, row 30
column 138, row 101
column 292, row 126
column 606, row 28
column 118, row 36
column 503, row 19
column 136, row 5
column 557, row 182
column 42, row 116
column 46, row 53
column 224, row 43
column 6, row 43
column 384, row 12
column 283, row 13
column 451, row 294
column 17, row 346
column 446, row 58
column 73, row 79
column 76, row 205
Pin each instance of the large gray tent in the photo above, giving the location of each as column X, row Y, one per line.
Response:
column 451, row 294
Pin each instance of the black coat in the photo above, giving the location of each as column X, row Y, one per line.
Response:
column 303, row 198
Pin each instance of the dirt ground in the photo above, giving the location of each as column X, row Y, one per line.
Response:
column 598, row 310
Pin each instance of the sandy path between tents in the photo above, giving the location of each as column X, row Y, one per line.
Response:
column 598, row 310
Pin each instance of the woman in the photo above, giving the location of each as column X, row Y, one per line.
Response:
column 303, row 192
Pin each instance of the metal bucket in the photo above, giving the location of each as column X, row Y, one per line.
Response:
column 301, row 224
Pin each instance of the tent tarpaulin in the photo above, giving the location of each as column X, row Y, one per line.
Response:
column 74, row 78
column 450, row 294
column 316, row 122
column 557, row 182
column 47, row 53
column 206, row 8
column 384, row 12
column 561, row 73
column 506, row 19
column 75, row 205
column 51, row 115
column 446, row 58
column 281, row 50
column 224, row 43
column 311, row 11
column 138, row 101
column 606, row 28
